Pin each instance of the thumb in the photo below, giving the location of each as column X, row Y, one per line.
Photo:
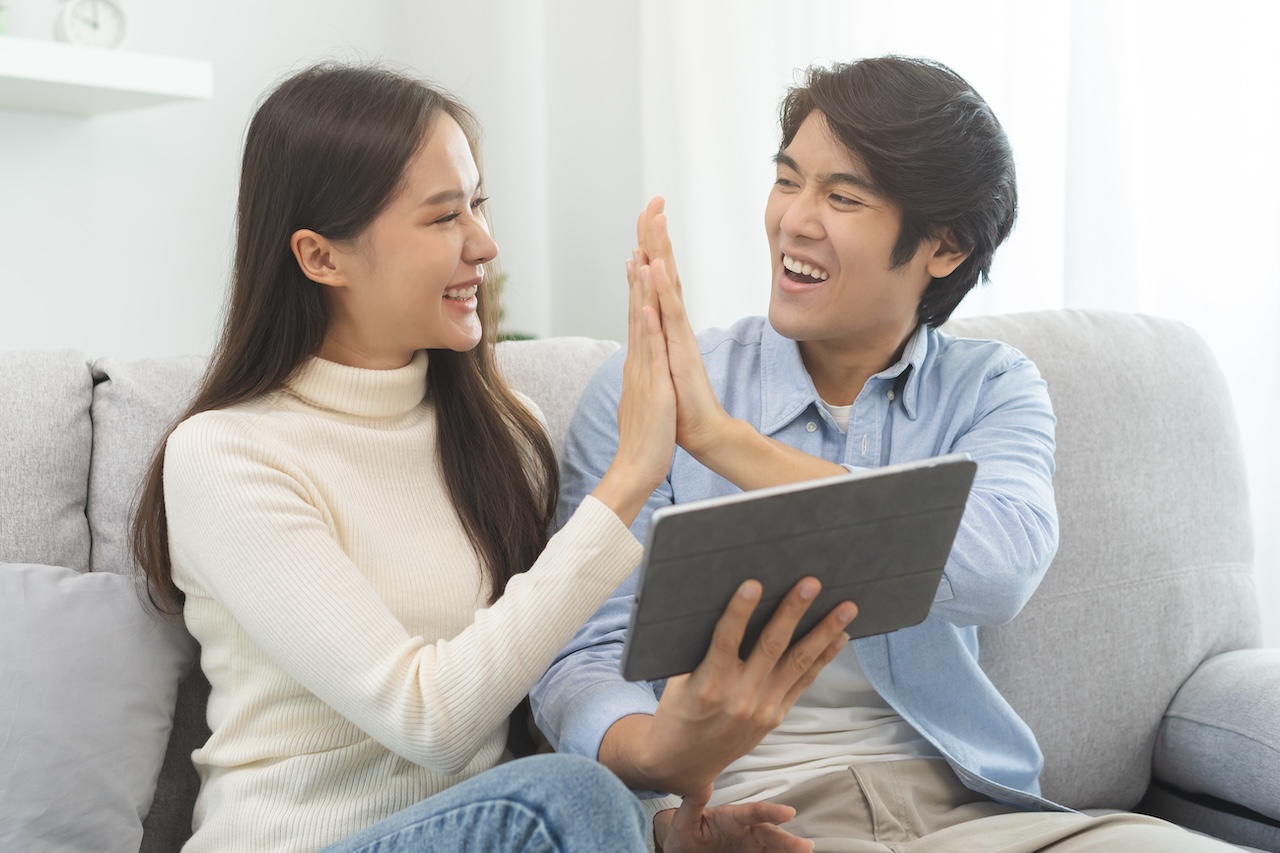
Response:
column 688, row 818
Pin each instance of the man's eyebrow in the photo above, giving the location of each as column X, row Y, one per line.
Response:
column 850, row 178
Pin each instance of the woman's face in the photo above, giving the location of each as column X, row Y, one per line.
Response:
column 410, row 280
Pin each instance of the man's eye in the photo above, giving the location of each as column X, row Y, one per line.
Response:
column 785, row 184
column 844, row 201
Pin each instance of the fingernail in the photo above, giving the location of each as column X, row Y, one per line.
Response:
column 749, row 591
column 808, row 589
column 846, row 613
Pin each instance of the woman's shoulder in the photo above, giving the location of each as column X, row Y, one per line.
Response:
column 216, row 430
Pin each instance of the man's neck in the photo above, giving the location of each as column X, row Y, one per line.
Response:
column 840, row 369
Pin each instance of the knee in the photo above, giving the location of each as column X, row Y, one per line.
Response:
column 577, row 788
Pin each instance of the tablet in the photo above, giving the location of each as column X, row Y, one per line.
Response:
column 879, row 538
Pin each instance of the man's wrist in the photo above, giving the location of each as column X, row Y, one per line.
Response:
column 728, row 444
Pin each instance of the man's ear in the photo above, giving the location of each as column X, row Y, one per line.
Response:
column 317, row 257
column 947, row 255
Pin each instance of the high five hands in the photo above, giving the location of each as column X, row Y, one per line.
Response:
column 700, row 419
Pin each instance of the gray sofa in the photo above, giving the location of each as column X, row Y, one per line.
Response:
column 1136, row 662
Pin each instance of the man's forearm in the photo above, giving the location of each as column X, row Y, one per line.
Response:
column 750, row 460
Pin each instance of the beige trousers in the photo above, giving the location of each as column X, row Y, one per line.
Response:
column 920, row 806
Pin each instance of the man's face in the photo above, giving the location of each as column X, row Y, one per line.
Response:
column 831, row 236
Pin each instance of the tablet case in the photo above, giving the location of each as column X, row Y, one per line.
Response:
column 879, row 538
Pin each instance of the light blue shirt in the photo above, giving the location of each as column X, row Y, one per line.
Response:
column 946, row 395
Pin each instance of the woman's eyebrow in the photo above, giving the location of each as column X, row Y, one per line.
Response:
column 454, row 195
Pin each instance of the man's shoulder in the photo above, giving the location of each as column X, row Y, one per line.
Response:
column 985, row 355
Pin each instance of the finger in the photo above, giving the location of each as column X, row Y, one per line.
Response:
column 806, row 658
column 652, row 209
column 722, row 658
column 767, row 836
column 746, row 814
column 776, row 636
column 810, row 672
column 688, row 818
column 675, row 322
column 659, row 245
column 634, row 296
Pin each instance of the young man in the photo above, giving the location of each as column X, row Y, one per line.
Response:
column 895, row 185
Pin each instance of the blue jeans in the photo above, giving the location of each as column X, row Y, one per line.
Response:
column 540, row 804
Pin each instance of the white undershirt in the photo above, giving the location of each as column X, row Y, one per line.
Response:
column 839, row 414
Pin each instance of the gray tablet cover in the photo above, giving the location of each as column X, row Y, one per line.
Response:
column 879, row 538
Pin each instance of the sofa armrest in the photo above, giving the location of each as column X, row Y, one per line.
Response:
column 1221, row 734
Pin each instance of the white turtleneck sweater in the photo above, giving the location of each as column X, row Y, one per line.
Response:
column 341, row 611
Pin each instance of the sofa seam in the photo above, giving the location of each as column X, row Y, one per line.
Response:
column 1192, row 718
column 1208, row 568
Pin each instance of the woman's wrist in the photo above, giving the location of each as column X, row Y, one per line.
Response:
column 618, row 491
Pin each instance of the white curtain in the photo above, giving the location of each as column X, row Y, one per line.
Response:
column 1146, row 140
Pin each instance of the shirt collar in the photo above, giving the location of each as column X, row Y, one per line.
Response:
column 787, row 390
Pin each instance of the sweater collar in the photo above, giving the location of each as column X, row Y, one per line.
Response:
column 361, row 391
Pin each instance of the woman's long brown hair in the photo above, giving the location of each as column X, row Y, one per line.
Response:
column 327, row 150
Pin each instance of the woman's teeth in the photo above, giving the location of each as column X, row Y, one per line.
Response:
column 462, row 294
column 803, row 269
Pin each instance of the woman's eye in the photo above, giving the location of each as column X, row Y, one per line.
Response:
column 479, row 203
column 448, row 217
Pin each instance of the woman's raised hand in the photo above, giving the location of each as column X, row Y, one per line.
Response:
column 700, row 419
column 647, row 408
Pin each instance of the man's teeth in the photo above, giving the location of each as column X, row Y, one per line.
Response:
column 462, row 294
column 803, row 269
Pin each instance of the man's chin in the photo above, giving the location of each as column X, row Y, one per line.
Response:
column 786, row 326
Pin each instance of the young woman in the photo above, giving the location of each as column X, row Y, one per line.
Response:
column 352, row 516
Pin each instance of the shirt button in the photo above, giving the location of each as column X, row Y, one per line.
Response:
column 811, row 426
column 891, row 395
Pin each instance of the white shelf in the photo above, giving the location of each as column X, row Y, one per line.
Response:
column 51, row 77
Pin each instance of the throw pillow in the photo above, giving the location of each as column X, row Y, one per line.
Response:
column 89, row 679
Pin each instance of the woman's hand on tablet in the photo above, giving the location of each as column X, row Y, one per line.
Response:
column 720, row 711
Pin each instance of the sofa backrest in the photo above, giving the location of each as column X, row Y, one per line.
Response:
column 1153, row 571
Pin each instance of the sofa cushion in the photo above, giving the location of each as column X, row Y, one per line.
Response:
column 89, row 680
column 44, row 454
column 134, row 403
column 1221, row 735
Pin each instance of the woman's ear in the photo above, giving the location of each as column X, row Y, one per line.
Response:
column 317, row 257
column 947, row 255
